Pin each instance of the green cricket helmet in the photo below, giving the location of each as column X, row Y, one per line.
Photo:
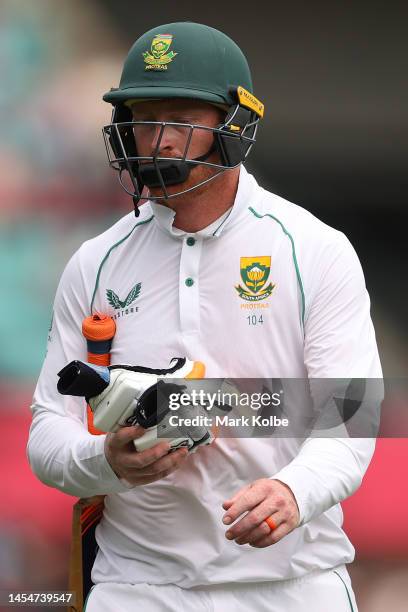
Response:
column 190, row 61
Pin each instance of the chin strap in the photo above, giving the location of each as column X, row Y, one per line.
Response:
column 172, row 172
column 136, row 200
column 210, row 151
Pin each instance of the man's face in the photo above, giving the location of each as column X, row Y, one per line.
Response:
column 174, row 139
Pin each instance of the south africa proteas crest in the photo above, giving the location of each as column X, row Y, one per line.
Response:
column 255, row 273
column 158, row 58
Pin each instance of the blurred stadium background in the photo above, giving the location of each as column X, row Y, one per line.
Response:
column 334, row 140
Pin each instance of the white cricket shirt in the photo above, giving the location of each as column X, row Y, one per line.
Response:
column 194, row 299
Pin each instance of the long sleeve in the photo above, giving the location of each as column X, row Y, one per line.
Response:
column 60, row 450
column 64, row 455
column 325, row 472
column 339, row 343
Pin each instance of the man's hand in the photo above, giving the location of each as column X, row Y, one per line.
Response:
column 261, row 499
column 144, row 467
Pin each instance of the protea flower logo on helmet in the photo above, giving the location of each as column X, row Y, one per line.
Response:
column 158, row 58
column 255, row 272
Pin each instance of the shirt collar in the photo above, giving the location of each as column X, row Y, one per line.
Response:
column 164, row 216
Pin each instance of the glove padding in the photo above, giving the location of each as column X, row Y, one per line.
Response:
column 124, row 395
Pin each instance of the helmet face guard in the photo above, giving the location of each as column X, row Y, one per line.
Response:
column 232, row 142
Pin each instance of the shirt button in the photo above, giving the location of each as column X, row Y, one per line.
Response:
column 190, row 241
column 189, row 282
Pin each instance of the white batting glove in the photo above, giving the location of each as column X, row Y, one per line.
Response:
column 134, row 395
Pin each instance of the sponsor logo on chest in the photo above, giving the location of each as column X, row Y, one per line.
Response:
column 127, row 306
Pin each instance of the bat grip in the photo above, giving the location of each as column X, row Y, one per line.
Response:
column 99, row 331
